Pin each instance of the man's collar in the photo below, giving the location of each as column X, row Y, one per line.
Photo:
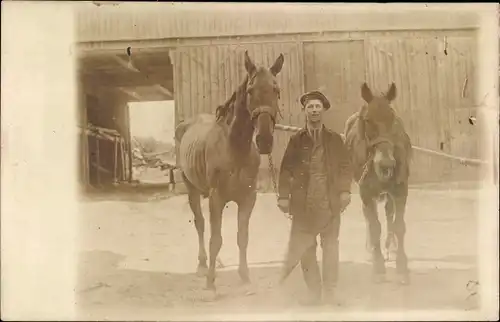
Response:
column 321, row 128
column 305, row 130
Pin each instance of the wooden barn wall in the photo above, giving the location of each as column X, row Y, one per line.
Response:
column 206, row 76
column 337, row 69
column 157, row 21
column 435, row 89
column 435, row 97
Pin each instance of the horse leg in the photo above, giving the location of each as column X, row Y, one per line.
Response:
column 216, row 205
column 199, row 222
column 245, row 208
column 400, row 230
column 389, row 214
column 371, row 216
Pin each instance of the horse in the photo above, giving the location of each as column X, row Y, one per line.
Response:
column 219, row 160
column 381, row 151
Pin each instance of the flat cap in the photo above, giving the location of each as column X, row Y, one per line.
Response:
column 315, row 95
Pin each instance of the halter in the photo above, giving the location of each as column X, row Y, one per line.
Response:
column 263, row 109
column 376, row 141
column 371, row 146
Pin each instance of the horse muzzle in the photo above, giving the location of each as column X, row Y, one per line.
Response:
column 264, row 143
column 384, row 172
column 264, row 124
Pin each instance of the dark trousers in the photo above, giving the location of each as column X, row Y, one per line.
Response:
column 302, row 248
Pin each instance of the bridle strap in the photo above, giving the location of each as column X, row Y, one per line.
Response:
column 263, row 109
column 378, row 140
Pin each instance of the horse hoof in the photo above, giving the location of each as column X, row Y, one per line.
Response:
column 379, row 278
column 209, row 295
column 244, row 275
column 248, row 289
column 219, row 263
column 404, row 279
column 202, row 271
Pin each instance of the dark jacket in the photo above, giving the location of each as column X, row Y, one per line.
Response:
column 294, row 171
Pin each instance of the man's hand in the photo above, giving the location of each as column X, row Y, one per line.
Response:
column 284, row 205
column 345, row 200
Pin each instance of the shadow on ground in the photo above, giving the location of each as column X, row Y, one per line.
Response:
column 103, row 284
column 130, row 193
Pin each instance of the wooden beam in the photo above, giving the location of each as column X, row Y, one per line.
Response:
column 165, row 91
column 128, row 80
column 130, row 93
column 127, row 64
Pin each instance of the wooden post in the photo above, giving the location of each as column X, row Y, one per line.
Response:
column 86, row 156
column 98, row 164
column 84, row 146
column 122, row 154
column 115, row 174
column 129, row 142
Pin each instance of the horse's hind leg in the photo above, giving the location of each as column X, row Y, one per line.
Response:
column 216, row 204
column 194, row 197
column 400, row 230
column 245, row 208
column 371, row 216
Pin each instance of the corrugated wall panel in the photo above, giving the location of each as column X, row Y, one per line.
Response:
column 206, row 76
column 430, row 83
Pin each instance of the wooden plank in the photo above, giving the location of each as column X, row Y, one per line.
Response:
column 169, row 23
column 159, row 45
column 339, row 78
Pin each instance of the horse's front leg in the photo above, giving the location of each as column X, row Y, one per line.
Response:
column 400, row 230
column 390, row 242
column 245, row 207
column 216, row 206
column 374, row 228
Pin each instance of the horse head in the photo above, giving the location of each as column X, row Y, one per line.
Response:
column 262, row 95
column 376, row 120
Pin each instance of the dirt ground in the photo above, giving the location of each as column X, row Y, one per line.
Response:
column 138, row 257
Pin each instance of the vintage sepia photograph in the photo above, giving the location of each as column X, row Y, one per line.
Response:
column 252, row 161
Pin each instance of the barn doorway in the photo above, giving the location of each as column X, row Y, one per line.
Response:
column 152, row 126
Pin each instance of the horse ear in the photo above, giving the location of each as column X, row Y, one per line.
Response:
column 278, row 64
column 366, row 93
column 391, row 93
column 249, row 64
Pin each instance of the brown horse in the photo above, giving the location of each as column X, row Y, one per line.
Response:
column 380, row 151
column 219, row 159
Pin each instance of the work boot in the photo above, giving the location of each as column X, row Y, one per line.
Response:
column 329, row 296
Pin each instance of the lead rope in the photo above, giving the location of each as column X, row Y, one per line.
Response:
column 272, row 172
column 366, row 168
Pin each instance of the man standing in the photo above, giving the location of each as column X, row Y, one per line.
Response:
column 314, row 187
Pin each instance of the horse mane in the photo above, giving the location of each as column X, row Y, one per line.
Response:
column 225, row 112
